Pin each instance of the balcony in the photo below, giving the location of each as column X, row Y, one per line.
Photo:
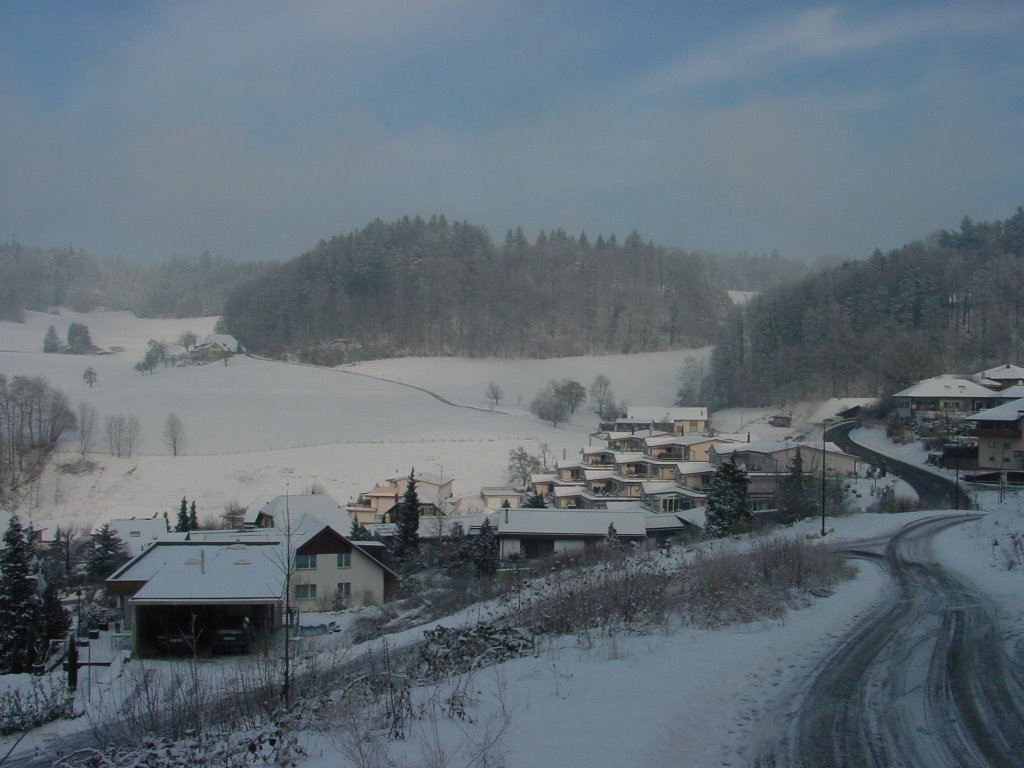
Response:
column 998, row 434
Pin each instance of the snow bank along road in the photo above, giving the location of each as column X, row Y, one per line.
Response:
column 923, row 681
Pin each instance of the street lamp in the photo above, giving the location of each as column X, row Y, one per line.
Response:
column 824, row 428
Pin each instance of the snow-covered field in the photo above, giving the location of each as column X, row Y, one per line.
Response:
column 258, row 427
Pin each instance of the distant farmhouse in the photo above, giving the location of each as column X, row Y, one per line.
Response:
column 216, row 346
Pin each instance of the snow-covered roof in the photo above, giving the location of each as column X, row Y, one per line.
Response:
column 563, row 522
column 1007, row 372
column 665, row 521
column 423, row 477
column 138, row 534
column 207, row 573
column 665, row 415
column 626, row 457
column 694, row 467
column 224, row 340
column 767, row 445
column 597, row 474
column 1013, row 393
column 665, row 486
column 642, row 434
column 1012, row 411
column 941, row 386
column 696, row 516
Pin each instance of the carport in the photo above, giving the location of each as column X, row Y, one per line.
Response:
column 187, row 590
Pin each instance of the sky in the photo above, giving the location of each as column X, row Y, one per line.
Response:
column 254, row 129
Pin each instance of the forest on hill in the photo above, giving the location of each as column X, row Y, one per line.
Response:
column 953, row 302
column 434, row 287
column 40, row 279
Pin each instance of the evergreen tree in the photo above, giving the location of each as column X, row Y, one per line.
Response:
column 796, row 492
column 535, row 501
column 359, row 532
column 51, row 343
column 181, row 525
column 485, row 551
column 728, row 504
column 193, row 517
column 106, row 555
column 55, row 620
column 19, row 602
column 405, row 546
column 79, row 340
column 89, row 376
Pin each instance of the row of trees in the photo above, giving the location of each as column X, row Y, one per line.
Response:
column 33, row 416
column 558, row 400
column 122, row 432
column 79, row 340
column 39, row 279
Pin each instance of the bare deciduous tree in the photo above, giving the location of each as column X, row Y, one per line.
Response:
column 86, row 425
column 174, row 434
column 494, row 392
column 122, row 434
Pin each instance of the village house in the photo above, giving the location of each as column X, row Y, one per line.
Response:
column 380, row 504
column 678, row 420
column 943, row 396
column 223, row 577
column 1001, row 377
column 767, row 462
column 999, row 433
column 216, row 346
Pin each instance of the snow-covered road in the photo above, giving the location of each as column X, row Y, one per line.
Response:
column 924, row 680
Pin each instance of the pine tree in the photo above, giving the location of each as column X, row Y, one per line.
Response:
column 55, row 620
column 106, row 555
column 193, row 518
column 181, row 524
column 405, row 546
column 535, row 501
column 51, row 343
column 485, row 551
column 79, row 340
column 796, row 492
column 359, row 532
column 19, row 602
column 728, row 505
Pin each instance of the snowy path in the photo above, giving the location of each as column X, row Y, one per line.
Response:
column 923, row 681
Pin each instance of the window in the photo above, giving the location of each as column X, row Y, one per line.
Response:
column 344, row 559
column 305, row 562
column 305, row 591
column 344, row 589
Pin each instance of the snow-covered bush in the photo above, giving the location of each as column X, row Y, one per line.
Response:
column 452, row 650
column 44, row 701
column 267, row 746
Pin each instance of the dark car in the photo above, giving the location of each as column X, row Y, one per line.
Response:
column 234, row 638
column 176, row 644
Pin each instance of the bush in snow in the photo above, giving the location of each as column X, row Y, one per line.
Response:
column 44, row 701
column 452, row 650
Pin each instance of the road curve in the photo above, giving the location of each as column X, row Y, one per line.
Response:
column 934, row 491
column 923, row 680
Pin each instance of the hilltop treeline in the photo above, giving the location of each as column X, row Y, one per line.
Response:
column 951, row 303
column 39, row 279
column 435, row 287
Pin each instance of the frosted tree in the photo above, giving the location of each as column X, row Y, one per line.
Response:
column 728, row 504
column 19, row 602
column 174, row 434
column 485, row 551
column 405, row 546
column 107, row 553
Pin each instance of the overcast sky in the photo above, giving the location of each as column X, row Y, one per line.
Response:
column 254, row 129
